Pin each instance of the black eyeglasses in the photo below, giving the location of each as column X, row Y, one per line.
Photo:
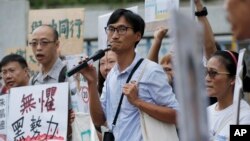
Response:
column 41, row 43
column 121, row 30
column 213, row 73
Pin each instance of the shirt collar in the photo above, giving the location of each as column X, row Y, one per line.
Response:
column 130, row 67
column 54, row 71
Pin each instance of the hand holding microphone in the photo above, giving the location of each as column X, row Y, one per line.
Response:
column 98, row 55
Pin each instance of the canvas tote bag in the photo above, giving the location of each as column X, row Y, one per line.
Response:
column 155, row 130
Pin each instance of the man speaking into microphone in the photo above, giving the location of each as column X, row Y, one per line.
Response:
column 148, row 89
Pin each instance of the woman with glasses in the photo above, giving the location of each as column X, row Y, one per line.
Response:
column 220, row 81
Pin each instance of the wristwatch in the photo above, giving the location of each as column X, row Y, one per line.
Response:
column 201, row 13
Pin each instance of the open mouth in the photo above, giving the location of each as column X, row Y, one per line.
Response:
column 39, row 56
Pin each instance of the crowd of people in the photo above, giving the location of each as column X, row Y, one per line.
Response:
column 115, row 101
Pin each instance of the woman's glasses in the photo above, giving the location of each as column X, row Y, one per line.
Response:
column 213, row 73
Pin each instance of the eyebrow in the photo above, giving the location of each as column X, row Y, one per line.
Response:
column 40, row 39
column 118, row 25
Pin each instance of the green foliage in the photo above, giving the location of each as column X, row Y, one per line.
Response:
column 59, row 3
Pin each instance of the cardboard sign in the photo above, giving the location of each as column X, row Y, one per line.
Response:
column 27, row 53
column 68, row 22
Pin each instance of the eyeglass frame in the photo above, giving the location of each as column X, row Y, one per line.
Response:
column 117, row 29
column 41, row 43
column 212, row 73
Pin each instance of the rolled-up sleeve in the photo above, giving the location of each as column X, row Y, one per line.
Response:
column 160, row 90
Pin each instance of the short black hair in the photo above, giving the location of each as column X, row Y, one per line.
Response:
column 132, row 18
column 13, row 58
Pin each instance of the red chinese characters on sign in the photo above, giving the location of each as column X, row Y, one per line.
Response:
column 28, row 103
column 48, row 101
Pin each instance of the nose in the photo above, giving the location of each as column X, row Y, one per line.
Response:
column 38, row 47
column 106, row 67
column 115, row 34
column 8, row 75
column 207, row 78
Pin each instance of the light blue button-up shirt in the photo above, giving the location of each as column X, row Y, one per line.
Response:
column 153, row 88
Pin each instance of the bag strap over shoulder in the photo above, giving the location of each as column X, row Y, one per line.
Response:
column 61, row 78
column 120, row 102
column 62, row 75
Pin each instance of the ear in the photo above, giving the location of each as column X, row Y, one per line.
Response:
column 57, row 44
column 138, row 36
column 27, row 71
column 232, row 81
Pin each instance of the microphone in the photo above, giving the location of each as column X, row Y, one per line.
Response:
column 98, row 55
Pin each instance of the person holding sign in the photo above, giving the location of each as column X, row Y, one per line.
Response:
column 220, row 81
column 45, row 43
column 125, row 29
column 14, row 71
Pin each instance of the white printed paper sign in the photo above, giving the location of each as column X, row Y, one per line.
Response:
column 157, row 12
column 38, row 112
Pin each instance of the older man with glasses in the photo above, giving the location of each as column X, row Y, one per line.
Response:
column 44, row 42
